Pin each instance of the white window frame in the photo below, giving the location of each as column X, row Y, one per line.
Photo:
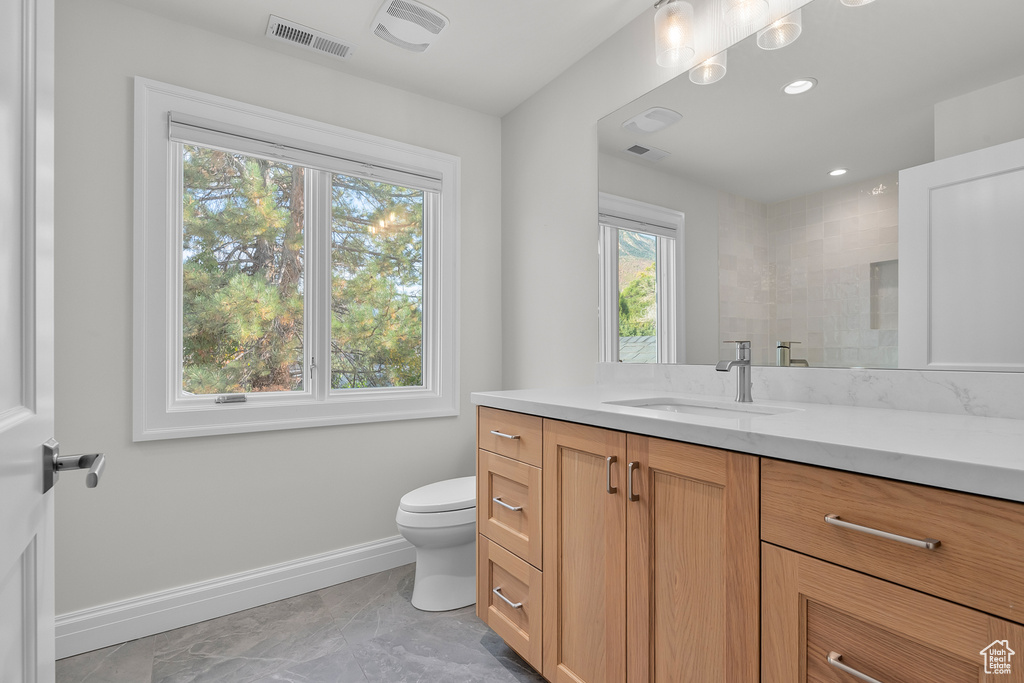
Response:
column 161, row 409
column 620, row 213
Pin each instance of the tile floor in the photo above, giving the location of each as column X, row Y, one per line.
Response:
column 362, row 631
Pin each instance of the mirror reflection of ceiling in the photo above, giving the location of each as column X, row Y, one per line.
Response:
column 880, row 67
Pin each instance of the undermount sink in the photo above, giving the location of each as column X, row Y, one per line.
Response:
column 703, row 408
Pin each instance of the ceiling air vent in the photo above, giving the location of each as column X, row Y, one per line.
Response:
column 648, row 153
column 408, row 24
column 303, row 36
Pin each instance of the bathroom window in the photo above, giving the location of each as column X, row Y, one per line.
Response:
column 288, row 273
column 638, row 281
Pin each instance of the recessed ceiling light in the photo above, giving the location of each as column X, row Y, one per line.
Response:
column 838, row 171
column 800, row 86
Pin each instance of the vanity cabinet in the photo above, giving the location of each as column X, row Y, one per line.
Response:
column 921, row 601
column 509, row 525
column 650, row 565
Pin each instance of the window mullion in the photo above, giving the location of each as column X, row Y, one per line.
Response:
column 318, row 291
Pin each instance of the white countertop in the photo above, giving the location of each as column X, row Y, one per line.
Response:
column 980, row 455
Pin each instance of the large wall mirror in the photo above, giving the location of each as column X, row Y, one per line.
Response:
column 775, row 249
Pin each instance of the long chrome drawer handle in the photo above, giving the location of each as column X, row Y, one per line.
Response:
column 503, row 435
column 513, row 605
column 926, row 543
column 835, row 659
column 513, row 508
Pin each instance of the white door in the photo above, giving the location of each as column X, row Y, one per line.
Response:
column 26, row 339
column 961, row 238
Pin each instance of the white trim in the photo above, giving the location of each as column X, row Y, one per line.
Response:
column 159, row 409
column 620, row 213
column 119, row 622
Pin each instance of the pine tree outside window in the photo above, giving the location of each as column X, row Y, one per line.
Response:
column 288, row 273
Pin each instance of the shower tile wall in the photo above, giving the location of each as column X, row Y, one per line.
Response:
column 829, row 274
column 744, row 277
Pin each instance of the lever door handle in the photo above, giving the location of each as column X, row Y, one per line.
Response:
column 54, row 463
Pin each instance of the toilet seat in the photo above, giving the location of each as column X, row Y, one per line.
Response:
column 433, row 520
column 441, row 496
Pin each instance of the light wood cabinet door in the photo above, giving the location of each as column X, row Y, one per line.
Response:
column 584, row 554
column 818, row 618
column 693, row 564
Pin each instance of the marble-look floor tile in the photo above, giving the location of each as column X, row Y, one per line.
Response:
column 379, row 604
column 130, row 662
column 250, row 646
column 361, row 631
column 459, row 649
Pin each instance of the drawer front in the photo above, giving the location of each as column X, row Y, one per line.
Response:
column 508, row 505
column 821, row 623
column 979, row 561
column 517, row 618
column 513, row 435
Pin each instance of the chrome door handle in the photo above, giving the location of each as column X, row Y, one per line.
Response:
column 926, row 543
column 54, row 463
column 503, row 435
column 513, row 605
column 513, row 508
column 609, row 461
column 630, row 469
column 835, row 659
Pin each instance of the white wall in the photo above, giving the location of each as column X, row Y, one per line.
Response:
column 980, row 119
column 176, row 512
column 549, row 210
column 699, row 204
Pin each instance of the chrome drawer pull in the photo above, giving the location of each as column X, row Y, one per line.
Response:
column 927, row 543
column 835, row 659
column 513, row 508
column 513, row 605
column 503, row 435
column 610, row 460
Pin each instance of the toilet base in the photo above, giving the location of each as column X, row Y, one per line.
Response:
column 445, row 578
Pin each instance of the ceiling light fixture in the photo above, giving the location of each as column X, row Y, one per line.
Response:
column 673, row 32
column 781, row 33
column 799, row 86
column 746, row 13
column 856, row 3
column 709, row 71
column 838, row 172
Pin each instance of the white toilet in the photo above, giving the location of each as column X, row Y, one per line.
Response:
column 440, row 521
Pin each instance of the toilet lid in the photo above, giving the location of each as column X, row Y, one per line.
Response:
column 442, row 496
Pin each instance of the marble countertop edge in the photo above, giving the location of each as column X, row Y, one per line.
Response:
column 971, row 454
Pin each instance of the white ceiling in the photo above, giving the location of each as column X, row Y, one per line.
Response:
column 881, row 69
column 493, row 55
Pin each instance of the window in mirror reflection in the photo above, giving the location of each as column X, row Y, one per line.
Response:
column 637, row 274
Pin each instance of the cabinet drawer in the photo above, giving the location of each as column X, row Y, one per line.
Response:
column 513, row 435
column 978, row 561
column 517, row 618
column 508, row 505
column 813, row 610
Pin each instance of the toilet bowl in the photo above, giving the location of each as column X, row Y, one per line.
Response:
column 439, row 520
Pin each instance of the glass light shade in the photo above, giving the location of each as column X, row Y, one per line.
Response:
column 673, row 33
column 782, row 32
column 746, row 13
column 709, row 71
column 856, row 3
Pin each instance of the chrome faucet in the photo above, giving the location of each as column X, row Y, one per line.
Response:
column 742, row 365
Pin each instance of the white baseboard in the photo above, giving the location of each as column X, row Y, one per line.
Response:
column 119, row 622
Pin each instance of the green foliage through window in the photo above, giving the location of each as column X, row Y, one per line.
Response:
column 244, row 277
